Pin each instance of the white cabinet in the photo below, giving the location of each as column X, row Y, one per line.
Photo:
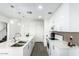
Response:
column 74, row 51
column 28, row 48
column 18, row 51
column 57, row 48
column 2, row 52
column 25, row 51
column 60, row 49
column 11, row 52
column 60, row 19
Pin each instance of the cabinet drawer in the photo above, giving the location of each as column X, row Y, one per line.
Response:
column 4, row 54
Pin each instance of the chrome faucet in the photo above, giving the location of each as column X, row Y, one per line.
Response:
column 16, row 35
column 14, row 39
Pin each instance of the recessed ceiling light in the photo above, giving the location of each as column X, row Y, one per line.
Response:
column 49, row 12
column 11, row 21
column 40, row 7
column 29, row 12
column 12, row 6
column 39, row 17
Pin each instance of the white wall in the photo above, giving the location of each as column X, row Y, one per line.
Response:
column 13, row 29
column 46, row 30
column 34, row 27
column 2, row 30
column 2, row 26
column 38, row 27
column 25, row 27
column 4, row 20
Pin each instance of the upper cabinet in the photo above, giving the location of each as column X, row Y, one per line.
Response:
column 66, row 18
column 74, row 17
column 60, row 19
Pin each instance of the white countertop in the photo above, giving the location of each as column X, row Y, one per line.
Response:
column 60, row 44
column 8, row 44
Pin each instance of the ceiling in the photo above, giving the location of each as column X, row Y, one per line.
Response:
column 21, row 10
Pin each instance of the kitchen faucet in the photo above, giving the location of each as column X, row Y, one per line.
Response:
column 14, row 39
column 17, row 35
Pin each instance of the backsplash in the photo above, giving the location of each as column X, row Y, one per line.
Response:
column 67, row 35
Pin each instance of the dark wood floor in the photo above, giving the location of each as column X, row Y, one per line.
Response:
column 39, row 50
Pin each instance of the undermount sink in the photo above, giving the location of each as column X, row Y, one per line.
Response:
column 19, row 44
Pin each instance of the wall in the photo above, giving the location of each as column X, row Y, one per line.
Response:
column 25, row 27
column 2, row 30
column 46, row 30
column 4, row 20
column 34, row 27
column 38, row 27
column 13, row 28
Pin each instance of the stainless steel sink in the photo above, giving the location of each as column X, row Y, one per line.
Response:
column 19, row 44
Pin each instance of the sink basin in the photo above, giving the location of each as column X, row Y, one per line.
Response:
column 17, row 45
column 21, row 42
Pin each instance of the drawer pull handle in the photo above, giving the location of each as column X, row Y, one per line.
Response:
column 3, row 53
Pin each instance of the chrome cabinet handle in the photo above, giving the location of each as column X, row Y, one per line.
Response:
column 3, row 53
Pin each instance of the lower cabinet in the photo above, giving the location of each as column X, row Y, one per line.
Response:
column 28, row 49
column 18, row 51
column 59, row 52
column 62, row 51
column 11, row 52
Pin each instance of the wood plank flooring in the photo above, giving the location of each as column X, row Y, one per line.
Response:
column 39, row 50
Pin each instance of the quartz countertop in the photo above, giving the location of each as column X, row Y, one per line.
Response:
column 8, row 44
column 60, row 44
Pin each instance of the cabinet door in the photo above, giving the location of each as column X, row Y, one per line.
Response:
column 32, row 44
column 74, row 51
column 29, row 48
column 26, row 51
column 61, row 51
column 4, row 52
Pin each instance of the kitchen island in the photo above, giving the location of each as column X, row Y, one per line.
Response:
column 6, row 48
